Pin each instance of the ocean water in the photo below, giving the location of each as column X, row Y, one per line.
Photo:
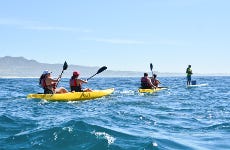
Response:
column 177, row 118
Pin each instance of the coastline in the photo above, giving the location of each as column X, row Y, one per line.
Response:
column 126, row 76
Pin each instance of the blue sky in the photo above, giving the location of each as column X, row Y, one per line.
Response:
column 121, row 34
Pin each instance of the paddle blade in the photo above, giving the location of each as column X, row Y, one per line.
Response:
column 99, row 71
column 65, row 66
column 102, row 69
column 151, row 66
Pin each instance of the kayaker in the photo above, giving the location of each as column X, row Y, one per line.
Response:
column 189, row 74
column 76, row 84
column 155, row 81
column 49, row 84
column 146, row 82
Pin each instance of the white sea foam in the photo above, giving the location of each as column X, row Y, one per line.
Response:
column 103, row 135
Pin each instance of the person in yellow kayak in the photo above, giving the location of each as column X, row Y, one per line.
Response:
column 155, row 81
column 49, row 84
column 76, row 83
column 189, row 74
column 146, row 82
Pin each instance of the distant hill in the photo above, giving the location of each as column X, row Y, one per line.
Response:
column 22, row 67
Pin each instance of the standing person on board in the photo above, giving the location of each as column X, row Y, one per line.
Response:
column 76, row 83
column 189, row 74
column 146, row 82
column 155, row 81
column 49, row 84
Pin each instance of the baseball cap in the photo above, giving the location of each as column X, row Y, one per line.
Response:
column 76, row 73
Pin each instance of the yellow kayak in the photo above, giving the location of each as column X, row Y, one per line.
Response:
column 72, row 96
column 151, row 90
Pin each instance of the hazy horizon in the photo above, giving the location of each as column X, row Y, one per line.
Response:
column 148, row 71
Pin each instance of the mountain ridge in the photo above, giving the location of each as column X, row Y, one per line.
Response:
column 22, row 67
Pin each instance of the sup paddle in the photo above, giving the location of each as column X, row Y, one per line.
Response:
column 161, row 87
column 65, row 66
column 99, row 71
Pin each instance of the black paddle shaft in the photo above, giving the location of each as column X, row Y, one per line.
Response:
column 65, row 66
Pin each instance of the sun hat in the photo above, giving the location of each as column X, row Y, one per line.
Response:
column 46, row 72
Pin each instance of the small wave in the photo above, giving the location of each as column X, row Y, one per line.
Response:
column 220, row 126
column 104, row 135
column 6, row 118
column 175, row 143
column 126, row 92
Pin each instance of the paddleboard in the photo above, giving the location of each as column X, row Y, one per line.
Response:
column 197, row 85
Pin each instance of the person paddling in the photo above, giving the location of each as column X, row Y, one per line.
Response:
column 76, row 84
column 49, row 84
column 146, row 82
column 155, row 81
column 189, row 74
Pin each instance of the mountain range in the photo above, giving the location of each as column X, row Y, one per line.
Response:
column 22, row 67
column 25, row 68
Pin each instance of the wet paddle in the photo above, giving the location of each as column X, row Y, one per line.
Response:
column 151, row 68
column 99, row 71
column 65, row 66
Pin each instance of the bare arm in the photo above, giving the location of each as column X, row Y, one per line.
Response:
column 158, row 81
column 150, row 83
column 82, row 81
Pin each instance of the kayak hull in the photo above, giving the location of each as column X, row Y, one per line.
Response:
column 150, row 90
column 72, row 96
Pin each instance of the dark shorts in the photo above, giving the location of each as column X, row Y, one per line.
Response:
column 48, row 91
column 146, row 87
column 189, row 78
column 76, row 89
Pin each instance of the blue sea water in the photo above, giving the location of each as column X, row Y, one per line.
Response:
column 178, row 118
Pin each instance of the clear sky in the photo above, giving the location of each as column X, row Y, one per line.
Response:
column 121, row 34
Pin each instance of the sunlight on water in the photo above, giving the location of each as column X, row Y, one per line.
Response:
column 127, row 92
column 175, row 118
column 155, row 144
